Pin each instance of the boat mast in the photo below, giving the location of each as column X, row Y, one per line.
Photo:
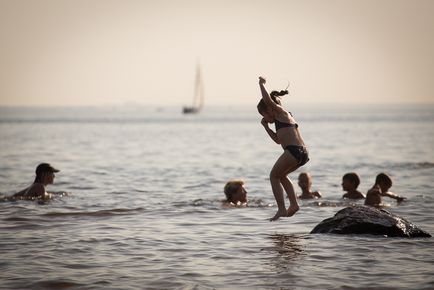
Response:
column 198, row 91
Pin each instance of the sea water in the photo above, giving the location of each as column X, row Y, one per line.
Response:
column 145, row 186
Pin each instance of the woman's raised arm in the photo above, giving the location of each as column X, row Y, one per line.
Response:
column 265, row 95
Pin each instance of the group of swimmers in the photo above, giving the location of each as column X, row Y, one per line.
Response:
column 381, row 187
column 236, row 194
column 234, row 190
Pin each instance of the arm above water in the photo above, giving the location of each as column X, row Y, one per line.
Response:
column 394, row 196
column 317, row 194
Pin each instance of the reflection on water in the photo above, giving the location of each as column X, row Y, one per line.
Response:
column 99, row 213
column 288, row 246
column 286, row 250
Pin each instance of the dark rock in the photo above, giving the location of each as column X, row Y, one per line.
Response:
column 368, row 220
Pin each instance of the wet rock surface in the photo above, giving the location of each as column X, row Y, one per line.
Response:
column 368, row 220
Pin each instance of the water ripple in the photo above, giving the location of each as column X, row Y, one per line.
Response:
column 54, row 284
column 98, row 213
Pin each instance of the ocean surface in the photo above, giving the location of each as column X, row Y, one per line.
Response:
column 145, row 189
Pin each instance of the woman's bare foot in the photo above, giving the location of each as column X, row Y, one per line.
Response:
column 279, row 213
column 292, row 210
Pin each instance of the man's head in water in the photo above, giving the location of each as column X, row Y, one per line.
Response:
column 305, row 181
column 45, row 173
column 350, row 181
column 235, row 192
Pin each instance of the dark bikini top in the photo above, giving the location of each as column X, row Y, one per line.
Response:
column 280, row 125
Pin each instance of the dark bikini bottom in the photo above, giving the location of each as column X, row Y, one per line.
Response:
column 300, row 153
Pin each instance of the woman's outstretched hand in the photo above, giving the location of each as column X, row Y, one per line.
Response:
column 262, row 80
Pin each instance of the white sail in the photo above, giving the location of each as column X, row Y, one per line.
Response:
column 198, row 97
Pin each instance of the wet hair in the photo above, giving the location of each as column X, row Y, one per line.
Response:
column 352, row 177
column 38, row 178
column 384, row 179
column 278, row 93
column 307, row 174
column 232, row 187
column 39, row 175
column 275, row 96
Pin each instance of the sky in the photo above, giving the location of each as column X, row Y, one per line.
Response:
column 131, row 52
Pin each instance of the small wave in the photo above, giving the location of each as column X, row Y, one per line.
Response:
column 218, row 203
column 98, row 213
column 16, row 219
column 54, row 284
column 413, row 165
column 391, row 165
column 79, row 187
column 398, row 165
column 4, row 198
column 52, row 196
column 326, row 203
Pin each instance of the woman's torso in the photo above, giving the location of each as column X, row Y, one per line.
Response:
column 288, row 135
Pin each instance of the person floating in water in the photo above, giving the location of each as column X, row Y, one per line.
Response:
column 305, row 183
column 383, row 183
column 350, row 182
column 235, row 193
column 294, row 154
column 44, row 176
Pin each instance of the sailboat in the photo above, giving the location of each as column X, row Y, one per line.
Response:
column 198, row 95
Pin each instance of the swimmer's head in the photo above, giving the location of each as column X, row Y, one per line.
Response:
column 384, row 181
column 350, row 181
column 45, row 173
column 235, row 191
column 305, row 180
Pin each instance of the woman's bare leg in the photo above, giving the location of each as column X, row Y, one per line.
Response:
column 289, row 188
column 280, row 168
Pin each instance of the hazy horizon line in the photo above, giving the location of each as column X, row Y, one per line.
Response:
column 244, row 104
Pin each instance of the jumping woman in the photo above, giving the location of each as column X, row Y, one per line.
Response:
column 294, row 154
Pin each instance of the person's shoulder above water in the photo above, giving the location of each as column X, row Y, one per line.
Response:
column 373, row 196
column 36, row 190
column 311, row 195
column 354, row 195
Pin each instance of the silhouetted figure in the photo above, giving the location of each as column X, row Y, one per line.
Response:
column 294, row 154
column 383, row 183
column 350, row 182
column 305, row 183
column 44, row 176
